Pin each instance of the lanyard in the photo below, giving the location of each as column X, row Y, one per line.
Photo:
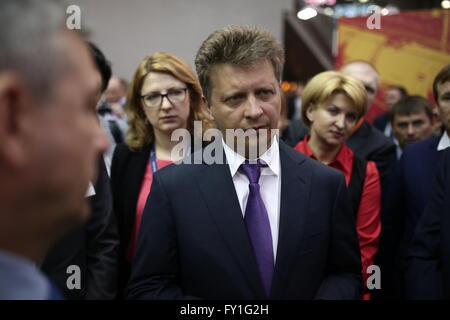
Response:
column 153, row 163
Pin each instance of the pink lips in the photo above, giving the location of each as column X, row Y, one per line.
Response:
column 337, row 134
column 168, row 118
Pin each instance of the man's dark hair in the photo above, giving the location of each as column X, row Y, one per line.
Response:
column 443, row 76
column 412, row 105
column 103, row 65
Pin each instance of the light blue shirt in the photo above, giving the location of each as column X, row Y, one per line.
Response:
column 21, row 280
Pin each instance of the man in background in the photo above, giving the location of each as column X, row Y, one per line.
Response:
column 393, row 95
column 412, row 120
column 409, row 190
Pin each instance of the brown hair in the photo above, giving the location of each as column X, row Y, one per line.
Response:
column 237, row 45
column 412, row 105
column 443, row 76
column 140, row 131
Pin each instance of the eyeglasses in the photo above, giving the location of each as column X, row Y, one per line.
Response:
column 155, row 99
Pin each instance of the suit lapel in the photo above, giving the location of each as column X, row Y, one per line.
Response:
column 133, row 177
column 295, row 194
column 217, row 188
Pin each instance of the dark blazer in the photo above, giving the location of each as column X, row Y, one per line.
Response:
column 428, row 270
column 93, row 247
column 405, row 196
column 411, row 182
column 381, row 121
column 193, row 240
column 367, row 143
column 127, row 172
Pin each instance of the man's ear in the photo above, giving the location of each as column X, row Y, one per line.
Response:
column 14, row 98
column 208, row 108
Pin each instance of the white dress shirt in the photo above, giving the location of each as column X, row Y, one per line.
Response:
column 444, row 142
column 270, row 184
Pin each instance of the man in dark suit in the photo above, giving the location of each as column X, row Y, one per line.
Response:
column 393, row 95
column 266, row 222
column 49, row 140
column 93, row 247
column 427, row 274
column 409, row 190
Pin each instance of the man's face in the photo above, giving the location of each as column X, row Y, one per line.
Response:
column 411, row 128
column 114, row 92
column 366, row 75
column 246, row 98
column 443, row 102
column 392, row 97
column 68, row 139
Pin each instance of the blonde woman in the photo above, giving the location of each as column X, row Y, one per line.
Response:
column 332, row 105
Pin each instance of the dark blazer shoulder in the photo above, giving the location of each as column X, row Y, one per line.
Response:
column 381, row 121
column 422, row 148
column 123, row 154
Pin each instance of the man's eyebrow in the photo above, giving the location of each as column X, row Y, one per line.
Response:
column 233, row 93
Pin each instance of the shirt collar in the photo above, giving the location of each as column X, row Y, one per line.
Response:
column 271, row 157
column 343, row 160
column 444, row 142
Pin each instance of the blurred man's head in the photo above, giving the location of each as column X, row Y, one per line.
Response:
column 102, row 65
column 102, row 76
column 393, row 95
column 116, row 90
column 412, row 120
column 367, row 74
column 441, row 90
column 50, row 138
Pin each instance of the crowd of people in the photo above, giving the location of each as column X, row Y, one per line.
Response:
column 97, row 203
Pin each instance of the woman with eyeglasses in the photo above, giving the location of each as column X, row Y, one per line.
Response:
column 163, row 96
column 332, row 104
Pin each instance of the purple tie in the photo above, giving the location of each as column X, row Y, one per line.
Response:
column 258, row 226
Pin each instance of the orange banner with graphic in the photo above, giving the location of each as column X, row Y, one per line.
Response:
column 409, row 49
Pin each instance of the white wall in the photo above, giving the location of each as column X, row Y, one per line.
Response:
column 127, row 31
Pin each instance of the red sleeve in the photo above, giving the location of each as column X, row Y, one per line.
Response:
column 368, row 222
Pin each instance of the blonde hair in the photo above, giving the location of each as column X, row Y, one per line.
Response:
column 325, row 84
column 140, row 131
column 238, row 45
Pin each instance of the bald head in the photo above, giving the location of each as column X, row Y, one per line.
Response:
column 116, row 90
column 366, row 73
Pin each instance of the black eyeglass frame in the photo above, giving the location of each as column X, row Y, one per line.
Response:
column 165, row 95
